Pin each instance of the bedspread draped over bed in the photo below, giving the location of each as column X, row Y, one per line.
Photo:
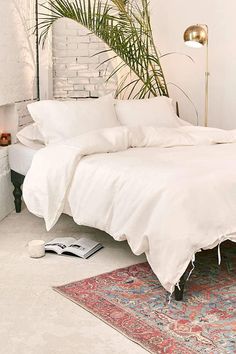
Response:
column 169, row 192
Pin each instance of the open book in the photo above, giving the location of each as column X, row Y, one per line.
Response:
column 83, row 247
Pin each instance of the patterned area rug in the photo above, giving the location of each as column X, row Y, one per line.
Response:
column 132, row 301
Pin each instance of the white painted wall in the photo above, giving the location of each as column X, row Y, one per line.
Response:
column 17, row 80
column 17, row 63
column 170, row 19
column 17, row 54
column 9, row 120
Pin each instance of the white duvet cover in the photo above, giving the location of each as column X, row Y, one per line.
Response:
column 168, row 192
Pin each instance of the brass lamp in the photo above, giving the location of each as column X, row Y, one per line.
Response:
column 196, row 36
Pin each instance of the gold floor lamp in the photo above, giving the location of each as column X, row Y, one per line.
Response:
column 196, row 36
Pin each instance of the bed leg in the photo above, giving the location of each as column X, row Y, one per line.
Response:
column 17, row 181
column 17, row 196
column 179, row 290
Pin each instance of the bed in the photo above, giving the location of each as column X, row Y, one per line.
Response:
column 168, row 191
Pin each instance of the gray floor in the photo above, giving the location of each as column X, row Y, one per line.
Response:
column 35, row 319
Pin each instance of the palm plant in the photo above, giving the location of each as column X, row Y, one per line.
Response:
column 125, row 27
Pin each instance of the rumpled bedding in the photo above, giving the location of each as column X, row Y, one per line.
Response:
column 168, row 192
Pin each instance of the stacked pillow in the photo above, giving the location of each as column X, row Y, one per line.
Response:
column 30, row 136
column 59, row 120
column 157, row 111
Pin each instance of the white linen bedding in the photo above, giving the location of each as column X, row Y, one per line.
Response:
column 21, row 157
column 167, row 202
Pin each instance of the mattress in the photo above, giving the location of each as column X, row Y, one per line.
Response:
column 20, row 158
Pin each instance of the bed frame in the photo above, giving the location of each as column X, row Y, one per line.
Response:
column 17, row 180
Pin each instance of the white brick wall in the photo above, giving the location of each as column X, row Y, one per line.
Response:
column 23, row 114
column 75, row 70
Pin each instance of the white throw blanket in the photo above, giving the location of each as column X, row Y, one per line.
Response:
column 169, row 192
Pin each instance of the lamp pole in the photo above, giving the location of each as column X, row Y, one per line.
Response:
column 196, row 36
column 37, row 48
column 207, row 74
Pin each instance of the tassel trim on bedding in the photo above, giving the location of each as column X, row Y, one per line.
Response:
column 192, row 269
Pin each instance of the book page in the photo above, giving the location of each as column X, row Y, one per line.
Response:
column 59, row 244
column 81, row 247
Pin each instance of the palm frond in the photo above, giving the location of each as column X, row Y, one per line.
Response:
column 124, row 25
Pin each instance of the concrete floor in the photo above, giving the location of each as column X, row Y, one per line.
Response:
column 36, row 320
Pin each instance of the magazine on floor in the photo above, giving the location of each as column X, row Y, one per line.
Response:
column 83, row 247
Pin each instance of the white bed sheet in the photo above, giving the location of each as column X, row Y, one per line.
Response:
column 21, row 157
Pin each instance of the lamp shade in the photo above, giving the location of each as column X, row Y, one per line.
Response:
column 195, row 36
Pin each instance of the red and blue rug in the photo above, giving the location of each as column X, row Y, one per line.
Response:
column 132, row 301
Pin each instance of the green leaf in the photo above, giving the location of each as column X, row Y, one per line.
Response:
column 124, row 25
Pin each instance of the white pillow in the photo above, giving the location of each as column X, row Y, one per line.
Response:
column 30, row 136
column 59, row 120
column 157, row 111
